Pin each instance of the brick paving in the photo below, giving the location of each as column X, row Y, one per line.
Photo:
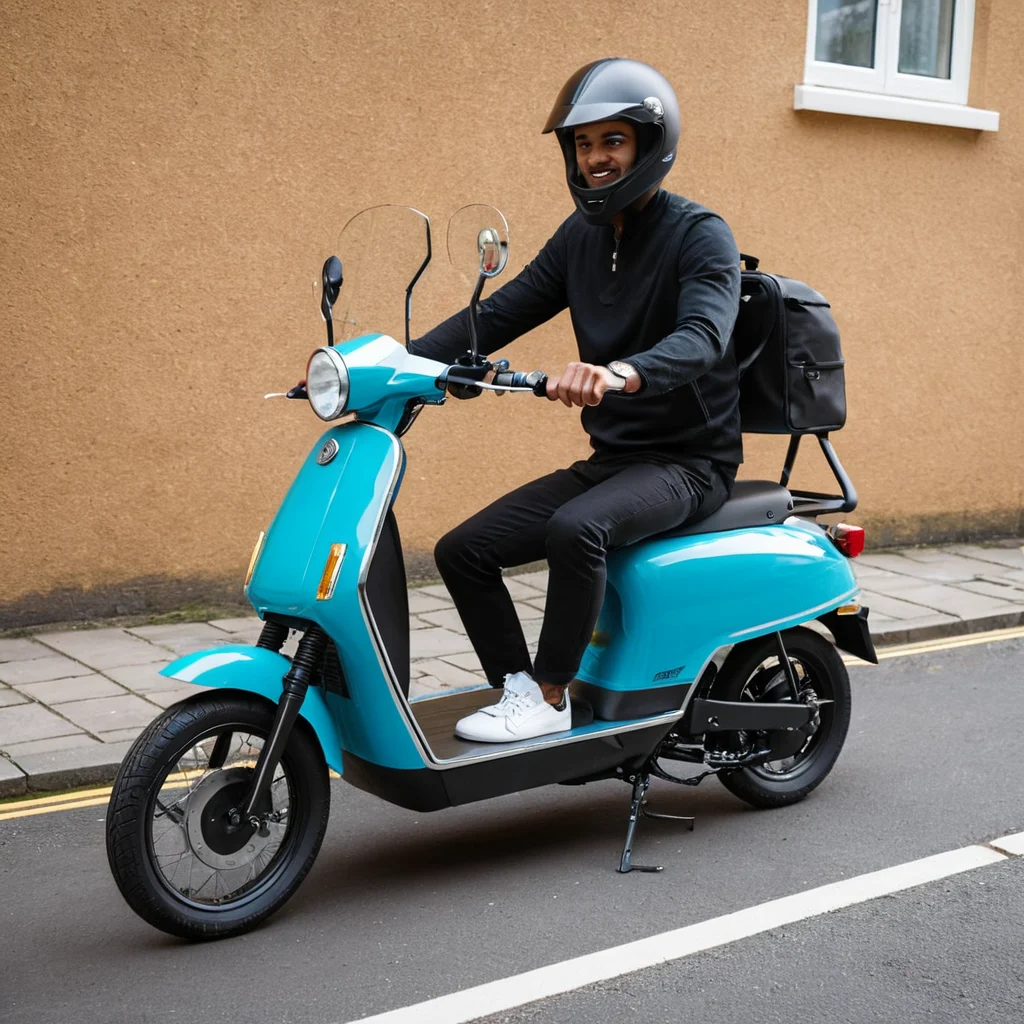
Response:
column 72, row 702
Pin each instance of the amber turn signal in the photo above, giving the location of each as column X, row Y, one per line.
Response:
column 252, row 561
column 332, row 568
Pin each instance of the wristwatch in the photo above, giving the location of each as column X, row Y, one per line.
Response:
column 623, row 370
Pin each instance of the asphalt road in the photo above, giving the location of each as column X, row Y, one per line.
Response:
column 948, row 952
column 401, row 907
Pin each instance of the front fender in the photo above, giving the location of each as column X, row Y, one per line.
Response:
column 255, row 670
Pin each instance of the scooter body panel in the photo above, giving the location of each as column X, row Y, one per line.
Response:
column 670, row 604
column 343, row 500
column 384, row 378
column 337, row 501
column 255, row 670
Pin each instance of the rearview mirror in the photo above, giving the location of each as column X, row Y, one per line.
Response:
column 493, row 252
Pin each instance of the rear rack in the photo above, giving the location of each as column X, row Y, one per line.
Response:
column 812, row 503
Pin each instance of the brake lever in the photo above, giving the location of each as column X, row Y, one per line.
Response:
column 501, row 366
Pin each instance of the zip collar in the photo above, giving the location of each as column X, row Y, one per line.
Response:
column 635, row 220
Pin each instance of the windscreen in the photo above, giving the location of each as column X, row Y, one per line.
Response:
column 383, row 251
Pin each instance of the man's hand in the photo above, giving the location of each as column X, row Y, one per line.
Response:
column 585, row 384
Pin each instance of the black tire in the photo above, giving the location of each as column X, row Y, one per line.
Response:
column 145, row 776
column 752, row 671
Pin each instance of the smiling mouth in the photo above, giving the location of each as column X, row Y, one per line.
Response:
column 604, row 176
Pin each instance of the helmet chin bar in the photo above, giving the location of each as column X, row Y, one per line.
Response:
column 601, row 205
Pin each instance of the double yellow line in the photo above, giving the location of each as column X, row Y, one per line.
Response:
column 86, row 798
column 48, row 804
column 98, row 797
column 80, row 798
column 943, row 644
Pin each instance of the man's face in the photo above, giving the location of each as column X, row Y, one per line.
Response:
column 605, row 151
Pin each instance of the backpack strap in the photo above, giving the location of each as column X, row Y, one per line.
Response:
column 749, row 361
column 751, row 263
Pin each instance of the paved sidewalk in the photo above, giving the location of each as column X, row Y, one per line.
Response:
column 72, row 702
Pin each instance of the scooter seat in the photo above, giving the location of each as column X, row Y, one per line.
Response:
column 752, row 503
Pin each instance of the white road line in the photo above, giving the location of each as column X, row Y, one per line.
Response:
column 556, row 979
column 1010, row 844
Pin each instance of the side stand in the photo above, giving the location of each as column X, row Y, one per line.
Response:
column 638, row 808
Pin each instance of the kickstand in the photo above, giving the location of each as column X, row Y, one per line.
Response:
column 638, row 809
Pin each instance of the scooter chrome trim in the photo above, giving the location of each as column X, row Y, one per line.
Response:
column 560, row 740
column 805, row 616
column 383, row 659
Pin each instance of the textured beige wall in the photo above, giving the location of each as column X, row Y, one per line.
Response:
column 172, row 175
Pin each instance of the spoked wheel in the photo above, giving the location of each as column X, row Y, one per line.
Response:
column 177, row 856
column 754, row 673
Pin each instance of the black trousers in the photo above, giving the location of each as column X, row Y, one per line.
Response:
column 571, row 517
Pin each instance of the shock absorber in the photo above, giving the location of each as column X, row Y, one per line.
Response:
column 272, row 636
column 295, row 684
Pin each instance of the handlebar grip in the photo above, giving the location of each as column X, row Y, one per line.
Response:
column 517, row 379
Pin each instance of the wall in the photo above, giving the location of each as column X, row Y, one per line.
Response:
column 174, row 174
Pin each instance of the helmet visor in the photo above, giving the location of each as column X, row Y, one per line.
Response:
column 570, row 115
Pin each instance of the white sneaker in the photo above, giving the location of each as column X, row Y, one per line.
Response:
column 521, row 714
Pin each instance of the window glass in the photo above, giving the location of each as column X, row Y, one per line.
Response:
column 926, row 37
column 846, row 32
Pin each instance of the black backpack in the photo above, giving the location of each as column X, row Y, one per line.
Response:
column 787, row 349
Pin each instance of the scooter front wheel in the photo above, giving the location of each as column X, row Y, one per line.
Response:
column 177, row 860
column 753, row 672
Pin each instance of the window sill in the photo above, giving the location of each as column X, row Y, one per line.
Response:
column 893, row 108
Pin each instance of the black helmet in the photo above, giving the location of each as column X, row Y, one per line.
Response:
column 617, row 89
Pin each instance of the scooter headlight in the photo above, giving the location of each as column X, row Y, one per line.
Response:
column 327, row 383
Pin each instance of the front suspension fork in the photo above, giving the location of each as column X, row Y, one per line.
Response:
column 295, row 684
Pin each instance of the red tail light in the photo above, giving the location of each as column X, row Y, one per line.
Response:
column 849, row 539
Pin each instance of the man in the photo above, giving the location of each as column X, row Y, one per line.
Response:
column 651, row 281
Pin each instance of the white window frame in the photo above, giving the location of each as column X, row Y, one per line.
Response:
column 846, row 76
column 882, row 91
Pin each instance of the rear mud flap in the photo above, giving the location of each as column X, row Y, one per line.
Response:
column 851, row 633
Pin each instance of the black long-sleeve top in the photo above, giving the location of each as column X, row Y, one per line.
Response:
column 663, row 298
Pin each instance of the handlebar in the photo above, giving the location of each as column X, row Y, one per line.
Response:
column 537, row 381
column 513, row 380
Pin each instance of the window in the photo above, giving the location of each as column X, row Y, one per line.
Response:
column 907, row 59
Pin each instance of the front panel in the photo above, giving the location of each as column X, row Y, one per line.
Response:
column 345, row 498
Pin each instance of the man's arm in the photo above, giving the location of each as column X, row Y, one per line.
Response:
column 709, row 299
column 531, row 298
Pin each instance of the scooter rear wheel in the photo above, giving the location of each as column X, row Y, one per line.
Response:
column 175, row 857
column 752, row 671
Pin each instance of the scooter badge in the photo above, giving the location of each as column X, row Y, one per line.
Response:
column 327, row 452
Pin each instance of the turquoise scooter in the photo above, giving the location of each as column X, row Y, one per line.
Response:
column 702, row 654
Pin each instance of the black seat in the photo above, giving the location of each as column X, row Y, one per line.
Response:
column 753, row 503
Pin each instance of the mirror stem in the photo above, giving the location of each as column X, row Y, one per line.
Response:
column 473, row 303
